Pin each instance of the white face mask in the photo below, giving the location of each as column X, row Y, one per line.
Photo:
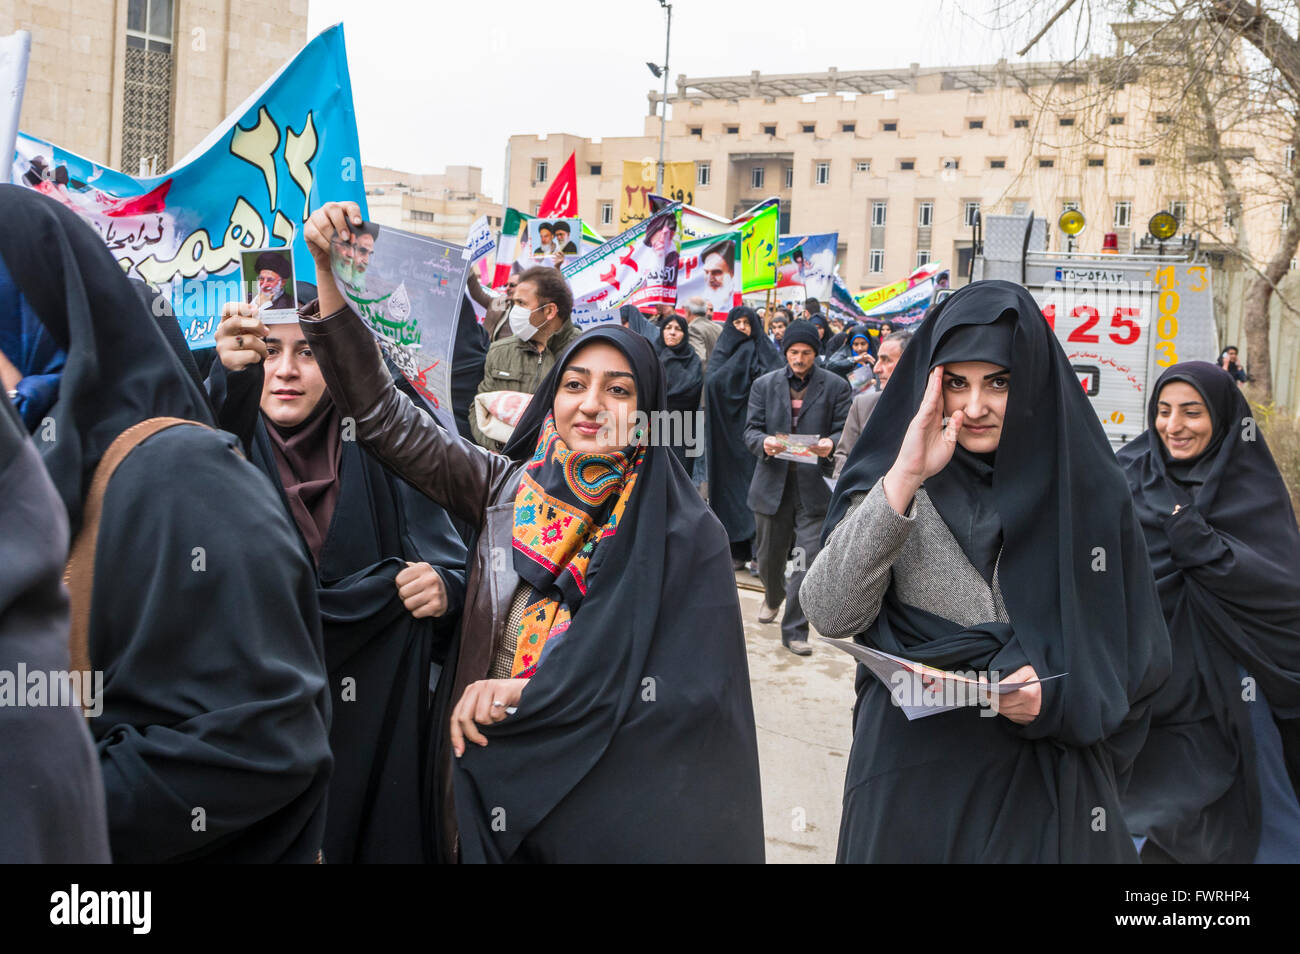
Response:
column 520, row 326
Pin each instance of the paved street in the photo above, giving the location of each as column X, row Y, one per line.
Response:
column 802, row 707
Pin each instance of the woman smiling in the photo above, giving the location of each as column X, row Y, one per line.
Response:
column 599, row 703
column 1217, row 779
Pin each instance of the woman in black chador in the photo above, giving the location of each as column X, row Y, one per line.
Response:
column 1217, row 779
column 390, row 571
column 684, row 376
column 742, row 355
column 982, row 525
column 596, row 706
column 201, row 609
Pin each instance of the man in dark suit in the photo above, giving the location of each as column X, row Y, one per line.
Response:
column 789, row 498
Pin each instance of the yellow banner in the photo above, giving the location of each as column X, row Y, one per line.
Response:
column 639, row 185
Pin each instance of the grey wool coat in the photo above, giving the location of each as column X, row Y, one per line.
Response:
column 873, row 547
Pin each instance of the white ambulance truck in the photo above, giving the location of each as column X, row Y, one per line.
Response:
column 1122, row 319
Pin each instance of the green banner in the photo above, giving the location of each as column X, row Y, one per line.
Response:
column 758, row 250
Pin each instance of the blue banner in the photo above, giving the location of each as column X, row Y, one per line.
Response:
column 808, row 261
column 291, row 147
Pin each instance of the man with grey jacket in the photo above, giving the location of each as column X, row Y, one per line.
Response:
column 789, row 498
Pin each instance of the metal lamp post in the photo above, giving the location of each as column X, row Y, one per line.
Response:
column 663, row 103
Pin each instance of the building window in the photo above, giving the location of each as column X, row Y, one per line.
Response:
column 147, row 87
column 1286, row 214
column 889, row 125
column 756, row 177
column 971, row 212
column 809, row 127
column 733, row 130
column 607, row 213
column 862, row 165
column 1146, row 161
column 703, row 173
column 1123, row 214
column 769, row 130
column 877, row 260
column 697, row 130
column 1065, row 121
column 534, row 207
column 975, row 124
column 925, row 214
column 997, row 163
column 789, row 177
column 1289, row 157
column 539, row 170
column 594, row 169
column 1178, row 209
column 1020, row 122
column 419, row 215
column 1019, row 206
column 906, row 165
column 951, row 163
column 1117, row 120
column 823, row 173
column 848, row 127
column 1046, row 163
column 1095, row 163
column 1069, row 205
column 1228, row 219
column 1164, row 119
column 496, row 220
column 878, row 207
column 922, row 256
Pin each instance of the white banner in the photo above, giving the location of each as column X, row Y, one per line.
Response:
column 638, row 267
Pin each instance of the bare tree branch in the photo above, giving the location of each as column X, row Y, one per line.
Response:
column 1047, row 26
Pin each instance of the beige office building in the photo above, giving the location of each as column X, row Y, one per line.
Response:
column 897, row 162
column 137, row 83
column 440, row 205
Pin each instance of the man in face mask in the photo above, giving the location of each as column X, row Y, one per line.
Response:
column 540, row 331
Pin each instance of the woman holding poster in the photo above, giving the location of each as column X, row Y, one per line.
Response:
column 597, row 570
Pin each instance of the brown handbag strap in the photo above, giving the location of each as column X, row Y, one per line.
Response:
column 79, row 576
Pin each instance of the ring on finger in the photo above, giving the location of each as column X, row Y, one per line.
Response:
column 239, row 342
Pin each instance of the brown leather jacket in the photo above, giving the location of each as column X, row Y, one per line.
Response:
column 473, row 484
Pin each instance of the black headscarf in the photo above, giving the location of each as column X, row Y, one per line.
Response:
column 1063, row 504
column 117, row 372
column 1226, row 566
column 635, row 321
column 820, row 321
column 963, row 491
column 587, row 751
column 737, row 361
column 683, row 372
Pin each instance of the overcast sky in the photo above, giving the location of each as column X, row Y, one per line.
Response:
column 443, row 83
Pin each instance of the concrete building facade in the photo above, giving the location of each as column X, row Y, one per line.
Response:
column 898, row 162
column 126, row 82
column 440, row 205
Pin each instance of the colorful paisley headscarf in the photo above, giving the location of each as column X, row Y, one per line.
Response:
column 567, row 503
